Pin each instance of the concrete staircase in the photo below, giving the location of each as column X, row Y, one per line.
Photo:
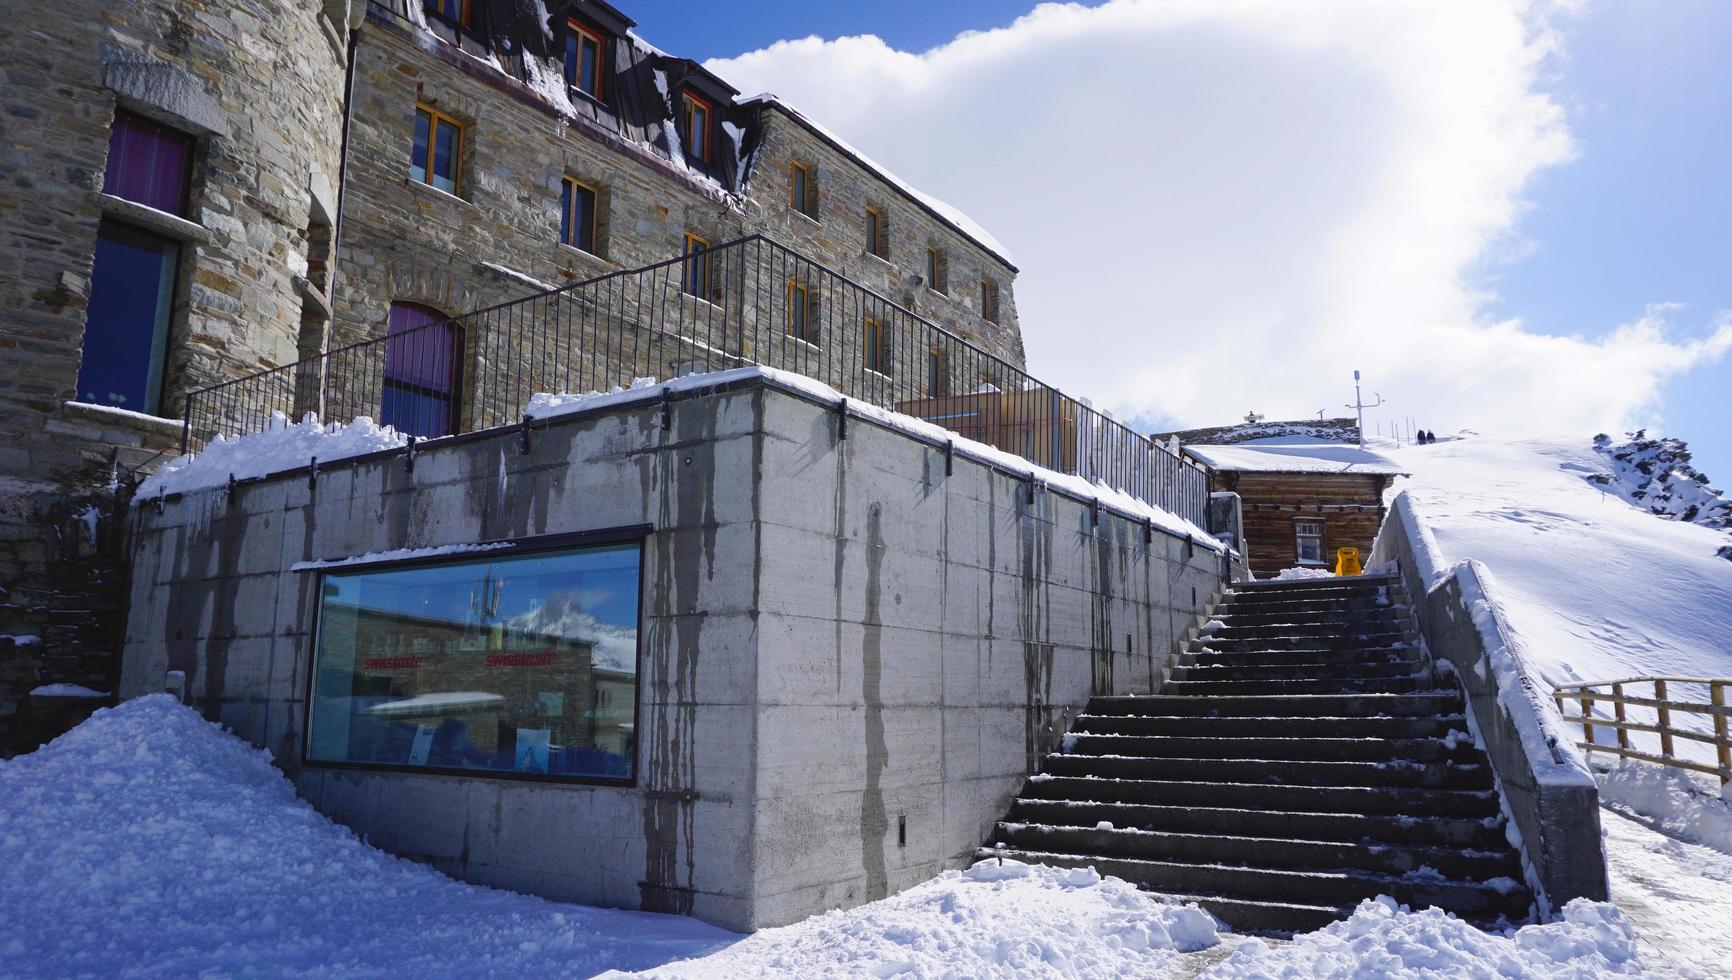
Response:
column 1299, row 759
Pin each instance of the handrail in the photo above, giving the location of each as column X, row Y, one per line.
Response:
column 1582, row 696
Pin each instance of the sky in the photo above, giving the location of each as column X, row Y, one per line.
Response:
column 1510, row 215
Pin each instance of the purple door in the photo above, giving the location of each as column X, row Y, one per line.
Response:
column 423, row 371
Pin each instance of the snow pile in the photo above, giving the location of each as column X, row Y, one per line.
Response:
column 1673, row 799
column 1656, row 474
column 1301, row 572
column 1591, row 588
column 1295, row 454
column 1381, row 939
column 147, row 842
column 66, row 691
column 990, row 920
column 283, row 445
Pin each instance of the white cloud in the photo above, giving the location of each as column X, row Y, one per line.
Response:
column 1220, row 205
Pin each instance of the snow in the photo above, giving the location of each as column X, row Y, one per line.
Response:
column 991, row 920
column 1214, row 626
column 282, row 445
column 148, row 842
column 398, row 554
column 66, row 691
column 1675, row 893
column 1591, row 588
column 1383, row 939
column 510, row 273
column 1295, row 454
column 1673, row 800
column 549, row 405
column 1301, row 572
column 21, row 639
column 1656, row 475
column 963, row 223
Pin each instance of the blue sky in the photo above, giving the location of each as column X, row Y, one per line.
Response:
column 1637, row 217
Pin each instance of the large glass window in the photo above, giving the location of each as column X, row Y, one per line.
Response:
column 433, row 158
column 584, row 59
column 524, row 664
column 697, row 128
column 423, row 372
column 148, row 163
column 126, row 323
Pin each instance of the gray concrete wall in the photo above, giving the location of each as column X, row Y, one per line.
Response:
column 838, row 638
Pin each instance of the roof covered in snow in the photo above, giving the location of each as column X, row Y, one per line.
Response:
column 946, row 213
column 1295, row 454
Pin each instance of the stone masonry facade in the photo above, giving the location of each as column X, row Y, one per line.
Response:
column 303, row 225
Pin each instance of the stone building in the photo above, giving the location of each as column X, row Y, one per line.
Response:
column 194, row 192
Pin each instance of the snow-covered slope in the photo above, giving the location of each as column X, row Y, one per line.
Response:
column 1598, row 589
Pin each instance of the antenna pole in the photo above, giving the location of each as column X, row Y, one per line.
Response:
column 1360, row 406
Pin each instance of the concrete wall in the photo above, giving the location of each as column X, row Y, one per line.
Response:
column 838, row 638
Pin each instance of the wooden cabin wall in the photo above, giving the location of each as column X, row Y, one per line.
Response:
column 1349, row 505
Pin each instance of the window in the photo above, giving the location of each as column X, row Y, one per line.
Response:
column 148, row 164
column 525, row 664
column 126, row 321
column 577, row 216
column 585, row 59
column 423, row 371
column 876, row 355
column 937, row 270
column 455, row 11
column 1308, row 537
column 877, row 242
column 696, row 132
column 695, row 271
column 937, row 373
column 438, row 142
column 802, row 190
column 988, row 299
column 802, row 313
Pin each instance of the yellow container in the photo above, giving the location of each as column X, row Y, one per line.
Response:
column 1347, row 561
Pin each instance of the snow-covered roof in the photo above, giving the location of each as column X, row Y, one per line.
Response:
column 1295, row 454
column 947, row 213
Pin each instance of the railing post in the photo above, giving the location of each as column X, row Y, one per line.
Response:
column 1618, row 709
column 1665, row 718
column 1055, row 419
column 186, row 423
column 1717, row 696
column 1587, row 713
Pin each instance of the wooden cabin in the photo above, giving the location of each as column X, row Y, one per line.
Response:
column 1302, row 499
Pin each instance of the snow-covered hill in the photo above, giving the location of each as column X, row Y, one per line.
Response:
column 1599, row 589
column 1655, row 474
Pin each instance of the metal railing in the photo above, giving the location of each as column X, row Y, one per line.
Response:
column 1663, row 702
column 747, row 302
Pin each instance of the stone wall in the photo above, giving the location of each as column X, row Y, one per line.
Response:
column 851, row 658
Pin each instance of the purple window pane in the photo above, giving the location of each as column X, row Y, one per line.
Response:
column 147, row 164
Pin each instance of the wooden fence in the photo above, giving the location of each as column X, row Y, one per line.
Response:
column 1576, row 703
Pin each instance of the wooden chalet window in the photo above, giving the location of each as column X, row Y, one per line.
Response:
column 875, row 347
column 455, row 11
column 988, row 299
column 802, row 190
column 1308, row 542
column 937, row 270
column 696, row 275
column 437, row 149
column 877, row 238
column 802, row 313
column 577, row 216
column 585, row 59
column 698, row 122
column 937, row 373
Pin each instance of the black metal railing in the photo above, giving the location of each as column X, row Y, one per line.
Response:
column 748, row 302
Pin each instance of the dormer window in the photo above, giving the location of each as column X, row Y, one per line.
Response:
column 697, row 124
column 585, row 59
column 455, row 11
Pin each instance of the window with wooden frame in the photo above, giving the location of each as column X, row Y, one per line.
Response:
column 802, row 190
column 937, row 373
column 802, row 312
column 696, row 274
column 455, row 11
column 877, row 238
column 937, row 270
column 585, row 59
column 437, row 150
column 577, row 215
column 1308, row 542
column 988, row 299
column 875, row 347
column 698, row 123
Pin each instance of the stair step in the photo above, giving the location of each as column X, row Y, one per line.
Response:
column 1288, row 748
column 1355, row 641
column 1233, row 630
column 1366, row 800
column 1275, row 658
column 1187, row 671
column 1396, row 615
column 1483, row 833
column 1441, row 702
column 1303, row 685
column 1288, row 772
column 1311, row 586
column 1274, row 727
column 1305, row 608
column 1471, row 900
column 1453, row 863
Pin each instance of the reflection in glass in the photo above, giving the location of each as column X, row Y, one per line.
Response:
column 524, row 664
